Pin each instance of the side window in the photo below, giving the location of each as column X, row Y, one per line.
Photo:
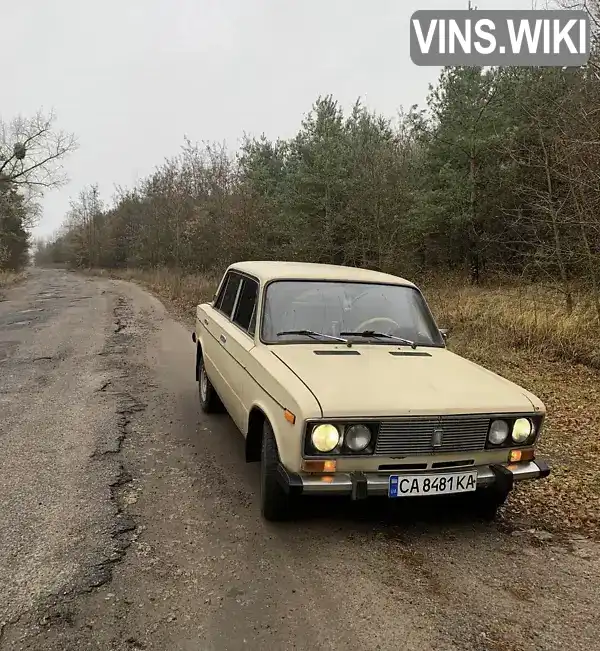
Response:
column 226, row 298
column 245, row 313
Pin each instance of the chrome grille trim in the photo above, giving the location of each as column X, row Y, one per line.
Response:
column 414, row 435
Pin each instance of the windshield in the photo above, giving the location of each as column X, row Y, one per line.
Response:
column 333, row 307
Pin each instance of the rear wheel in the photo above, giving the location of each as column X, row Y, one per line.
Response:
column 275, row 503
column 209, row 400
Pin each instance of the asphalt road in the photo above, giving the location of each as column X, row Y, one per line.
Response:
column 130, row 521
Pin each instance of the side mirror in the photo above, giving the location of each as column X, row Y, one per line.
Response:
column 444, row 332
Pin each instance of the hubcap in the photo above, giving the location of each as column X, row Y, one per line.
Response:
column 203, row 383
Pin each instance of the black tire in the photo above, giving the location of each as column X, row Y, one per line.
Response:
column 275, row 503
column 487, row 503
column 210, row 402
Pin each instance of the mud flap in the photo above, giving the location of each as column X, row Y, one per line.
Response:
column 504, row 480
column 359, row 485
column 198, row 353
column 289, row 481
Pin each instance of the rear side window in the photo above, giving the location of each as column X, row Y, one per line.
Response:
column 226, row 299
column 245, row 313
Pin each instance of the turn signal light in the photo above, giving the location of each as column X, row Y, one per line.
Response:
column 287, row 414
column 521, row 455
column 329, row 465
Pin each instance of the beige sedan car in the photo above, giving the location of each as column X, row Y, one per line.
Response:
column 341, row 383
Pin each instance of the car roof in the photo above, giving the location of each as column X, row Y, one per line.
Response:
column 274, row 270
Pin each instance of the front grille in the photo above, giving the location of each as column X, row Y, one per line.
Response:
column 415, row 435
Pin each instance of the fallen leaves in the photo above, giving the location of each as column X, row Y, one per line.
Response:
column 568, row 500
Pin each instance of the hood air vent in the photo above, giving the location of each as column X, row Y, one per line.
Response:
column 406, row 353
column 336, row 352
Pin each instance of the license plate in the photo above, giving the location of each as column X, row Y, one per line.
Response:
column 416, row 485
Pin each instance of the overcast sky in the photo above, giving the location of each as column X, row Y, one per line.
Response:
column 131, row 77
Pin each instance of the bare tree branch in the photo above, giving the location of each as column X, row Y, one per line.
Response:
column 45, row 148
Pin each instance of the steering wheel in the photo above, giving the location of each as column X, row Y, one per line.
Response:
column 368, row 324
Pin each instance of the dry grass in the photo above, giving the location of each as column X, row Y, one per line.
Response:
column 10, row 278
column 531, row 318
column 525, row 335
column 182, row 292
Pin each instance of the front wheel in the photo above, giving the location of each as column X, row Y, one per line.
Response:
column 209, row 400
column 275, row 503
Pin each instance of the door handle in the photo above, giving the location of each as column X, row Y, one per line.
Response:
column 205, row 321
column 223, row 339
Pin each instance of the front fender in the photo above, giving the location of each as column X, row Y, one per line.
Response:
column 288, row 436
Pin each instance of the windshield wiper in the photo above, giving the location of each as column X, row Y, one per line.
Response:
column 313, row 334
column 382, row 335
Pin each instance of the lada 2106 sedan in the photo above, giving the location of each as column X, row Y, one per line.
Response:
column 341, row 383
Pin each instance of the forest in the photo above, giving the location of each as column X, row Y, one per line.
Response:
column 498, row 176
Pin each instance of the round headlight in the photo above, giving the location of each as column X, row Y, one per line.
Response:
column 521, row 430
column 498, row 432
column 358, row 437
column 325, row 438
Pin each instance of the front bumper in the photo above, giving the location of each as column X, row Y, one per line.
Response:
column 360, row 485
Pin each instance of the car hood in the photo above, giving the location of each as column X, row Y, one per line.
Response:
column 386, row 381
